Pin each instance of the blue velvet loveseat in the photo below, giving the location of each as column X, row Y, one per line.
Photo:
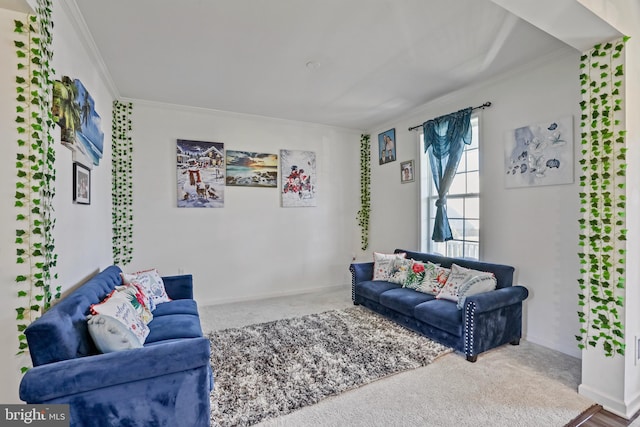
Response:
column 166, row 382
column 486, row 320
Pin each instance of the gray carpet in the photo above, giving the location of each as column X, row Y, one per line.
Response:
column 271, row 369
column 525, row 385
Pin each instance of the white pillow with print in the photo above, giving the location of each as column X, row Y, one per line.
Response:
column 465, row 281
column 383, row 264
column 400, row 270
column 117, row 306
column 151, row 283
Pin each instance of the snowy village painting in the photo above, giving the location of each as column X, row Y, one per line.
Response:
column 249, row 169
column 540, row 154
column 298, row 172
column 200, row 173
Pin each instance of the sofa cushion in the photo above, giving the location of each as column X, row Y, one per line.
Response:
column 174, row 326
column 403, row 300
column 371, row 289
column 442, row 314
column 179, row 306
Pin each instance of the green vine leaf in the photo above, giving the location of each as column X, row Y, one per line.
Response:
column 602, row 239
column 35, row 167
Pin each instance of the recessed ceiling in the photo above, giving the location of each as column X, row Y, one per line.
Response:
column 371, row 60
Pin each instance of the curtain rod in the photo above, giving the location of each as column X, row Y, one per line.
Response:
column 483, row 106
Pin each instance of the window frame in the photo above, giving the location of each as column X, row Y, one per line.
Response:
column 428, row 195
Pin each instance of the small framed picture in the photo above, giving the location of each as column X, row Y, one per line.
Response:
column 387, row 146
column 81, row 184
column 406, row 172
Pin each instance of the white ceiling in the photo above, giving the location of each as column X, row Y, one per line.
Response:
column 376, row 59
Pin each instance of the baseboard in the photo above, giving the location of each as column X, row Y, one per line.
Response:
column 610, row 403
column 267, row 295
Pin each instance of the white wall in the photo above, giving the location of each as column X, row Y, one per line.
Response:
column 615, row 382
column 82, row 233
column 251, row 248
column 534, row 229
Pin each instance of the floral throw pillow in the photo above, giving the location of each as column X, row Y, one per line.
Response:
column 400, row 270
column 463, row 282
column 138, row 299
column 116, row 305
column 416, row 275
column 151, row 284
column 383, row 263
column 435, row 278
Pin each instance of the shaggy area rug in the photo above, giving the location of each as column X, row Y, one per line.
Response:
column 270, row 369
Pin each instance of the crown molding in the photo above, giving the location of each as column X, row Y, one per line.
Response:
column 70, row 8
column 235, row 115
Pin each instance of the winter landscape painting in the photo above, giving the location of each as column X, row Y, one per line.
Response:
column 200, row 173
column 298, row 171
column 250, row 169
column 540, row 154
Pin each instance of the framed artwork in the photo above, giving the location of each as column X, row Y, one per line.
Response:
column 74, row 110
column 81, row 184
column 540, row 154
column 298, row 171
column 248, row 169
column 200, row 174
column 387, row 146
column 406, row 172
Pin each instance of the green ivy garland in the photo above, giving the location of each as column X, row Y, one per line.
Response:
column 602, row 237
column 122, row 183
column 365, row 190
column 35, row 169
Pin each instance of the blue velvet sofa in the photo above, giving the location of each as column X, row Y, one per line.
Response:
column 166, row 382
column 487, row 320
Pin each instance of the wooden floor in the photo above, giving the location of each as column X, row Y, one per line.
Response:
column 596, row 416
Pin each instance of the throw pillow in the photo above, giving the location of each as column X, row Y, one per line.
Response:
column 400, row 270
column 383, row 263
column 138, row 299
column 109, row 334
column 464, row 281
column 477, row 285
column 416, row 275
column 117, row 305
column 435, row 278
column 151, row 284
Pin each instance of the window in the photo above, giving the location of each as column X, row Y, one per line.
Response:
column 463, row 202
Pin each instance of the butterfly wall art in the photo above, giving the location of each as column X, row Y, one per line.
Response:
column 540, row 154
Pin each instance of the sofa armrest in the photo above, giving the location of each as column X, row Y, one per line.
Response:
column 54, row 380
column 489, row 301
column 179, row 287
column 361, row 271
